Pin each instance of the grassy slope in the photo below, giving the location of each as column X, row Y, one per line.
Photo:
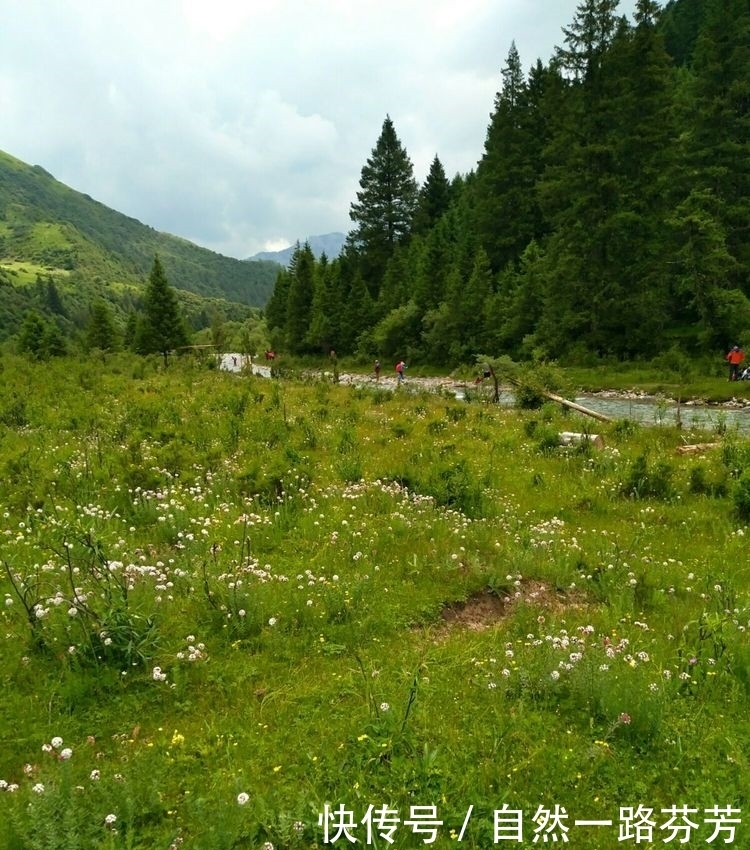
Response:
column 58, row 230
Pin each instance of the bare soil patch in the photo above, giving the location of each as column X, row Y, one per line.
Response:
column 485, row 608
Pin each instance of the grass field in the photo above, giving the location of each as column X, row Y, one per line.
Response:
column 243, row 612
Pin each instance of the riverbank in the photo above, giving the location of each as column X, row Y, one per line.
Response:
column 709, row 393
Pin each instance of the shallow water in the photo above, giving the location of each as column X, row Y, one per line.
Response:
column 646, row 411
column 651, row 411
column 660, row 412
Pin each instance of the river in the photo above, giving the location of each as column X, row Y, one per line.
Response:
column 646, row 410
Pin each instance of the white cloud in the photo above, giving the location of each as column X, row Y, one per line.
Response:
column 240, row 125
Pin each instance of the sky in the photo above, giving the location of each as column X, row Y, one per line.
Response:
column 243, row 125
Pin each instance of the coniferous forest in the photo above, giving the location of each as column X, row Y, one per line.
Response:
column 607, row 216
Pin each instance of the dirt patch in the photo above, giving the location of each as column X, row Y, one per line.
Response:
column 485, row 608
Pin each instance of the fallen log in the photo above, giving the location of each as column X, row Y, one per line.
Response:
column 573, row 406
column 572, row 438
column 695, row 448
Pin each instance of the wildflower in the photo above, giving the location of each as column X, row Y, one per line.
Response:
column 38, row 788
column 268, row 846
column 110, row 819
column 57, row 742
column 384, row 706
column 95, row 776
column 66, row 753
column 625, row 718
column 554, row 675
column 272, row 621
column 46, row 748
column 242, row 798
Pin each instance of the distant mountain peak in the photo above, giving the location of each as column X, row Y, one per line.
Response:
column 329, row 244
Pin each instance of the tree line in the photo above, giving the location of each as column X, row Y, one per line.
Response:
column 607, row 216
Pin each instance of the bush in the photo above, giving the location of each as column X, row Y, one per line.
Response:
column 646, row 480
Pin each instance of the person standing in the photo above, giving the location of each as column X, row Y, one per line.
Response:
column 735, row 358
column 377, row 370
column 400, row 366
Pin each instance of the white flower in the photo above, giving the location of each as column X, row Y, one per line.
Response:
column 38, row 788
column 554, row 675
column 46, row 748
column 384, row 706
column 242, row 798
column 268, row 846
column 66, row 753
column 57, row 742
column 95, row 775
column 272, row 621
column 110, row 819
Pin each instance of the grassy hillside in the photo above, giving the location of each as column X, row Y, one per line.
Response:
column 48, row 230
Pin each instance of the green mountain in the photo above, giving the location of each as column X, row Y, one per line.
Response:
column 52, row 235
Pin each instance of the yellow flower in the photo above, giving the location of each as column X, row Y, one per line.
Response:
column 177, row 739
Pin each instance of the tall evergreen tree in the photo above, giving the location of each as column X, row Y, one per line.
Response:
column 385, row 205
column 300, row 298
column 101, row 332
column 582, row 190
column 324, row 331
column 433, row 199
column 506, row 209
column 720, row 136
column 161, row 329
column 275, row 311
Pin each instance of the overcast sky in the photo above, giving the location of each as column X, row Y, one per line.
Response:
column 243, row 125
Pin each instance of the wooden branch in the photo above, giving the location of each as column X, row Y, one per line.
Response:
column 573, row 406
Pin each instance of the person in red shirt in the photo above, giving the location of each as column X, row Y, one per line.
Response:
column 734, row 358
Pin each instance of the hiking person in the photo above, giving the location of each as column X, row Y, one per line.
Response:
column 377, row 370
column 734, row 358
column 400, row 366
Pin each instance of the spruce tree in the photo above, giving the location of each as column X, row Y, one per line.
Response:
column 506, row 211
column 100, row 332
column 433, row 199
column 300, row 298
column 161, row 329
column 385, row 205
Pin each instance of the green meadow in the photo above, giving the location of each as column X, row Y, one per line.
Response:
column 240, row 612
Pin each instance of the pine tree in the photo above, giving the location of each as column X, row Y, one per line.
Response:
column 433, row 199
column 275, row 311
column 506, row 210
column 720, row 136
column 100, row 332
column 31, row 335
column 385, row 205
column 300, row 298
column 161, row 328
